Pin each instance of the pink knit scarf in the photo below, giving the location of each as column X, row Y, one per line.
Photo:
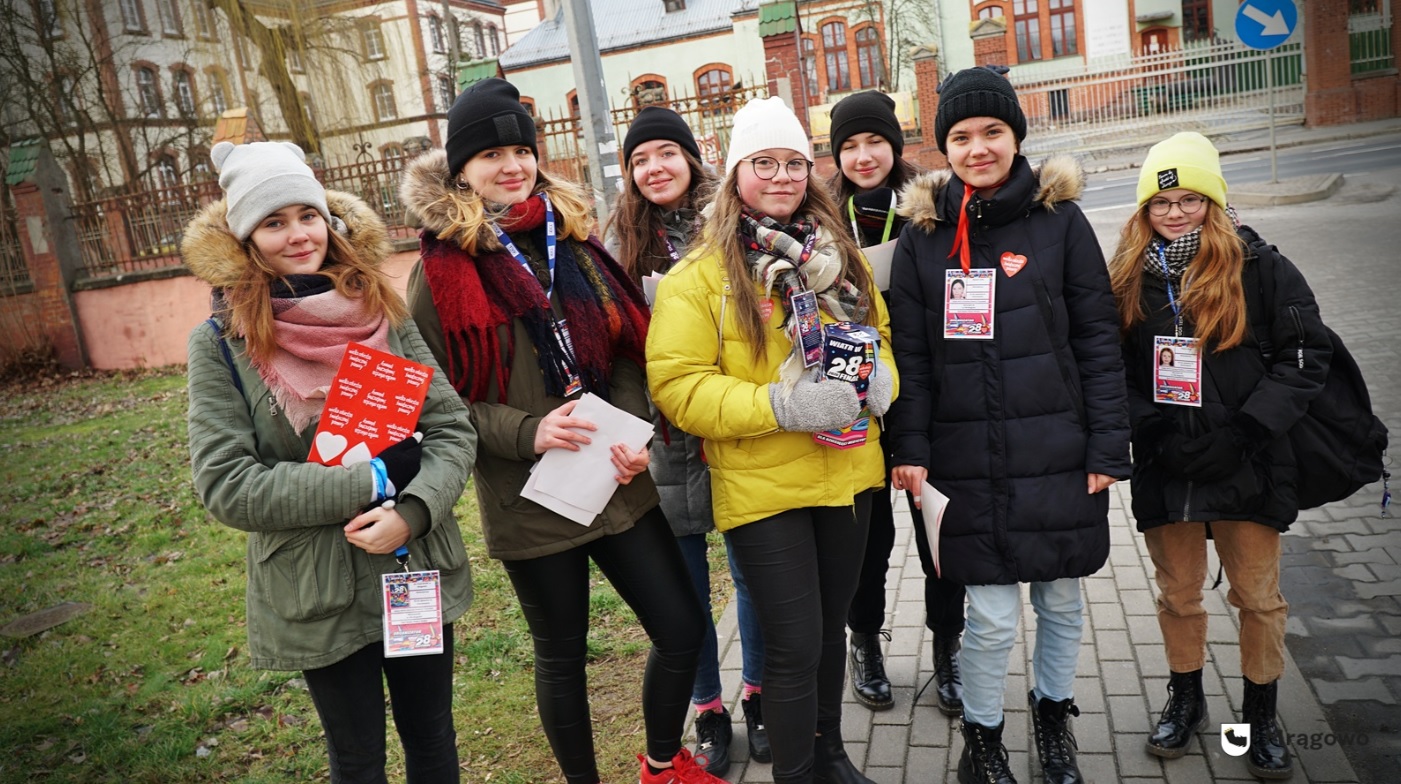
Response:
column 312, row 333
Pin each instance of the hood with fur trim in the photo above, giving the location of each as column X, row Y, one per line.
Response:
column 1059, row 179
column 426, row 189
column 215, row 255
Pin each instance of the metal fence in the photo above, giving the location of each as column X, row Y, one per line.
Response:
column 376, row 182
column 1369, row 42
column 14, row 273
column 710, row 118
column 1212, row 87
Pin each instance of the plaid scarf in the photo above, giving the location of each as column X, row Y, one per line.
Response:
column 604, row 311
column 1178, row 253
column 777, row 260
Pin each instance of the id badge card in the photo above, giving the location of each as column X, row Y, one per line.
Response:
column 809, row 325
column 1177, row 371
column 566, row 344
column 413, row 613
column 969, row 300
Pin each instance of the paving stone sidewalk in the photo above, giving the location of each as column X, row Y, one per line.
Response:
column 1121, row 686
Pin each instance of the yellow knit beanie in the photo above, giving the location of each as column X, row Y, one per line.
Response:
column 1186, row 160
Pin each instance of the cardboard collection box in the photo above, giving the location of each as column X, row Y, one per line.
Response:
column 849, row 354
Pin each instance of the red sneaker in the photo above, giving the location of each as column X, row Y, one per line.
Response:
column 684, row 770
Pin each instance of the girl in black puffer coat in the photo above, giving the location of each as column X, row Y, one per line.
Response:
column 1210, row 419
column 1024, row 426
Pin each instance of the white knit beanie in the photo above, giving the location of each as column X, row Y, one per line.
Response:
column 765, row 124
column 261, row 178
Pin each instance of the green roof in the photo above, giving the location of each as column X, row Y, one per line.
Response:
column 473, row 72
column 24, row 157
column 778, row 18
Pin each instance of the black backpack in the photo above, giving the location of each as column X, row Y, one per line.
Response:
column 1339, row 444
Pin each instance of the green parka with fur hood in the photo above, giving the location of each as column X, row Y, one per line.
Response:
column 313, row 597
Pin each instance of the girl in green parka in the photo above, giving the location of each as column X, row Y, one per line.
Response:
column 295, row 273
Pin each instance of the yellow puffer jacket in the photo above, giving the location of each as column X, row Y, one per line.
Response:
column 717, row 391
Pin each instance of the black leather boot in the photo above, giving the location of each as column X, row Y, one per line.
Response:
column 831, row 765
column 1269, row 754
column 984, row 759
column 868, row 682
column 948, row 683
column 1055, row 743
column 1183, row 716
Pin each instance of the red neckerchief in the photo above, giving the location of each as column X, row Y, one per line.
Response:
column 960, row 238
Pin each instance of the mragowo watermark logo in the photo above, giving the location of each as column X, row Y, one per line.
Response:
column 1235, row 739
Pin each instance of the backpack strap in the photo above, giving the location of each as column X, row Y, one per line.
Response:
column 1263, row 316
column 224, row 349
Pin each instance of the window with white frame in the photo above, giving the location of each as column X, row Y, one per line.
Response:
column 294, row 60
column 204, row 19
column 218, row 91
column 382, row 98
column 437, row 35
column 184, row 92
column 66, row 98
column 50, row 26
column 170, row 17
column 372, row 38
column 167, row 171
column 446, row 91
column 148, row 92
column 133, row 16
column 834, row 49
column 869, row 62
column 491, row 39
column 480, row 36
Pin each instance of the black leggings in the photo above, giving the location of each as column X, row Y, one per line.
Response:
column 943, row 598
column 801, row 576
column 349, row 697
column 645, row 567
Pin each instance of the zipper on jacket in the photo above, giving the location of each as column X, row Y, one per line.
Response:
column 1299, row 329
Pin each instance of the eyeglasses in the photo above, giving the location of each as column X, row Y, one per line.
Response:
column 766, row 168
column 1188, row 204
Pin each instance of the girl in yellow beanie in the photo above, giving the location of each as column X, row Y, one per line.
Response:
column 1210, row 452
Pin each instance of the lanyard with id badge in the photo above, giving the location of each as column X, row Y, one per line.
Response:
column 558, row 325
column 1177, row 368
column 807, row 321
column 413, row 608
column 880, row 256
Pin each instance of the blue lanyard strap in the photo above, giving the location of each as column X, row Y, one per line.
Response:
column 520, row 258
column 1172, row 296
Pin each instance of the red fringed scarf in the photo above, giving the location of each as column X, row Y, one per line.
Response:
column 605, row 311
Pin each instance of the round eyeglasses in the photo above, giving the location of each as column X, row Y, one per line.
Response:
column 766, row 168
column 1189, row 204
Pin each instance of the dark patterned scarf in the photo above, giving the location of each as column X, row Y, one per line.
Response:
column 605, row 312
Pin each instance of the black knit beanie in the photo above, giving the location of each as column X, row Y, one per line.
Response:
column 659, row 122
column 488, row 114
column 866, row 112
column 977, row 92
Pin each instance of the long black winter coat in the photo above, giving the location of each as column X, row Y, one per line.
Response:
column 1009, row 428
column 1237, row 379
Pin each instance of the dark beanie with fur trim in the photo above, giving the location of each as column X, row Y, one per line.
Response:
column 659, row 122
column 977, row 92
column 866, row 112
column 488, row 114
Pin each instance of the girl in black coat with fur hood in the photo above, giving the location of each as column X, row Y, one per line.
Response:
column 1014, row 408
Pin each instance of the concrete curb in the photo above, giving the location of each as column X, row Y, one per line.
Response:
column 1297, row 190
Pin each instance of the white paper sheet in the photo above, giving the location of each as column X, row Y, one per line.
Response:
column 649, row 287
column 880, row 257
column 932, row 504
column 578, row 485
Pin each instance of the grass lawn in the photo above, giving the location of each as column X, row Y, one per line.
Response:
column 152, row 683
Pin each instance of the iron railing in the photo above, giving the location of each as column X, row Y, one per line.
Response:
column 14, row 273
column 1212, row 87
column 134, row 232
column 1369, row 42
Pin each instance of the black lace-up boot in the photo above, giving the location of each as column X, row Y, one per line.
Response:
column 948, row 683
column 1269, row 754
column 1055, row 743
column 831, row 765
column 1183, row 716
column 984, row 759
column 869, row 684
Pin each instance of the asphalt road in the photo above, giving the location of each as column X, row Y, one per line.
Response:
column 1362, row 156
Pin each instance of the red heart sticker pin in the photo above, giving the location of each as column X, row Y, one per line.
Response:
column 1012, row 263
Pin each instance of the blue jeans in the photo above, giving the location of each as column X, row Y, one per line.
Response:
column 751, row 640
column 993, row 611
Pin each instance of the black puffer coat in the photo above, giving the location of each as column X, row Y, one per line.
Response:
column 1009, row 428
column 1235, row 380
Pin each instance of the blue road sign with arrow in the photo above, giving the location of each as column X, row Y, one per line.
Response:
column 1265, row 24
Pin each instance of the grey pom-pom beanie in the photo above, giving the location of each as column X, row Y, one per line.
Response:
column 261, row 178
